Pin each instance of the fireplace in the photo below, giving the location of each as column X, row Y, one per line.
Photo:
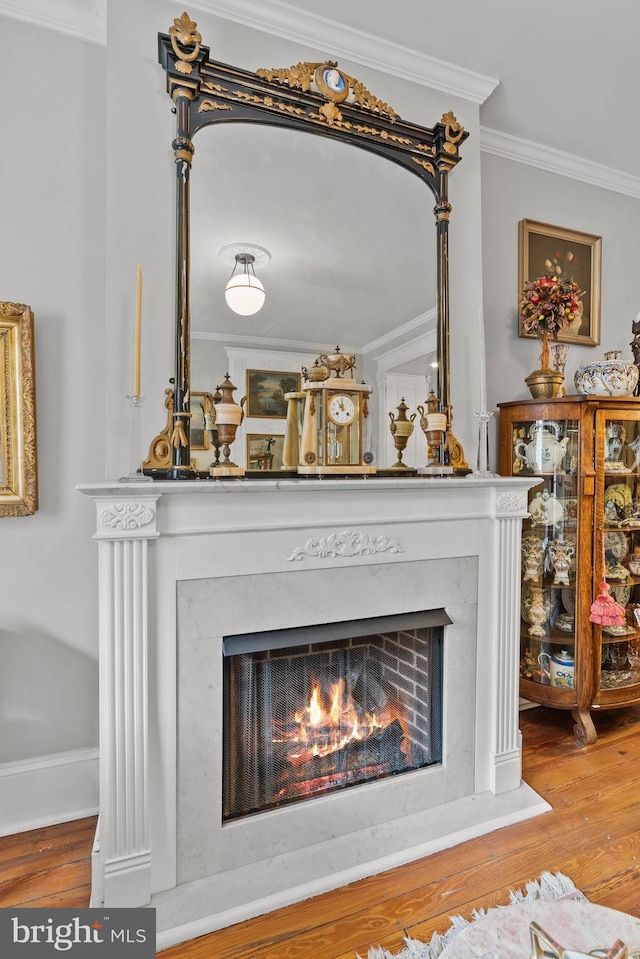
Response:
column 313, row 710
column 200, row 584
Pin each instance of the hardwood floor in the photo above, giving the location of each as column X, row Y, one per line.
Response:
column 592, row 835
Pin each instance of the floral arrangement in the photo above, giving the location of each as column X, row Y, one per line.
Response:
column 548, row 305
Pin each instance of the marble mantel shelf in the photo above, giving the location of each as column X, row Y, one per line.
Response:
column 244, row 485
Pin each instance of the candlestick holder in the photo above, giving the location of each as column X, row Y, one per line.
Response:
column 135, row 474
column 483, row 444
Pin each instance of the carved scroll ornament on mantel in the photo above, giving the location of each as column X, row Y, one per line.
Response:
column 346, row 544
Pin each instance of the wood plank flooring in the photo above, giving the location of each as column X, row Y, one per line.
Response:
column 592, row 835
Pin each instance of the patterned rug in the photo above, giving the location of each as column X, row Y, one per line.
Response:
column 547, row 886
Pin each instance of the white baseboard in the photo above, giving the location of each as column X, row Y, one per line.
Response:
column 48, row 790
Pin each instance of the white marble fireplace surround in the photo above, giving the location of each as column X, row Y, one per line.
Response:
column 183, row 564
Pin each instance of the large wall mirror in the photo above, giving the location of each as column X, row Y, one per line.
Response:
column 358, row 247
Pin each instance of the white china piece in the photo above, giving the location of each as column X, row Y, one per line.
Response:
column 612, row 376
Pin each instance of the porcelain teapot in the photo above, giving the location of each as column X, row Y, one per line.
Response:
column 558, row 668
column 545, row 451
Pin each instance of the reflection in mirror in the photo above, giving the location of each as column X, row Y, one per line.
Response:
column 353, row 258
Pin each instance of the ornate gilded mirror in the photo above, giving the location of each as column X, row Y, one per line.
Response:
column 315, row 98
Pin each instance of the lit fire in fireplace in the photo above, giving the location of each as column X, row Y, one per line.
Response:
column 332, row 723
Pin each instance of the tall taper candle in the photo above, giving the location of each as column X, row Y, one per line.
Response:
column 483, row 365
column 137, row 334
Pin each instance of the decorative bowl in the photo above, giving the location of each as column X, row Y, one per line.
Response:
column 612, row 376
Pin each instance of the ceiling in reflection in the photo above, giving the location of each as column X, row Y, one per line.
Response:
column 352, row 236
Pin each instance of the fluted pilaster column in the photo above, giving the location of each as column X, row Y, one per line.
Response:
column 125, row 524
column 506, row 766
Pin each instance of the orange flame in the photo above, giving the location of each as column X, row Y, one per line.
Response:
column 329, row 722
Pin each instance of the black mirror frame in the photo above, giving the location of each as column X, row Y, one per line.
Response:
column 305, row 98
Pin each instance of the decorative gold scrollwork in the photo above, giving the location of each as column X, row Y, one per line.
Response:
column 453, row 132
column 425, row 165
column 331, row 82
column 160, row 448
column 210, row 106
column 185, row 31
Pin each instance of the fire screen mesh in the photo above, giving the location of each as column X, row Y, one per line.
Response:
column 300, row 722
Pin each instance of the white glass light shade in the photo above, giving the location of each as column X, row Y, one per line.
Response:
column 244, row 294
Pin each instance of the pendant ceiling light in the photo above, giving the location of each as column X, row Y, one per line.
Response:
column 244, row 292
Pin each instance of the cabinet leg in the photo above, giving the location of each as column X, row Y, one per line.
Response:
column 584, row 730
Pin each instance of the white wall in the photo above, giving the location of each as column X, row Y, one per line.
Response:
column 514, row 191
column 52, row 257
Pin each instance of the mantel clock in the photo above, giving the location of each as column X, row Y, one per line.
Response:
column 333, row 427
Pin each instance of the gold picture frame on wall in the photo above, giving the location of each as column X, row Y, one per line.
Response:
column 18, row 452
column 545, row 248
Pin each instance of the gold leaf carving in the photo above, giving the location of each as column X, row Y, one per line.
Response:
column 383, row 134
column 426, row 148
column 269, row 102
column 425, row 165
column 453, row 132
column 209, row 106
column 365, row 99
column 185, row 31
column 213, row 87
column 330, row 113
column 302, row 76
column 299, row 76
column 12, row 309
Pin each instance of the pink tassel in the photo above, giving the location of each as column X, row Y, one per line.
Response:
column 605, row 610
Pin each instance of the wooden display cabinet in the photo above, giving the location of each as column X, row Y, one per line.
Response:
column 584, row 524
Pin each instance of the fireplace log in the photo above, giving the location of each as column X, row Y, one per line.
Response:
column 382, row 747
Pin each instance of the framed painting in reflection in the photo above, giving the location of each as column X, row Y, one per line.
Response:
column 266, row 390
column 200, row 403
column 264, row 451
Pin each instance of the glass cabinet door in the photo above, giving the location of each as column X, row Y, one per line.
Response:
column 549, row 449
column 618, row 501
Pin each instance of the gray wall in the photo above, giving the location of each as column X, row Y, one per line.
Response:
column 52, row 257
column 513, row 191
column 59, row 169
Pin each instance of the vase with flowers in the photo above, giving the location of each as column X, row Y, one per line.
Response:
column 548, row 305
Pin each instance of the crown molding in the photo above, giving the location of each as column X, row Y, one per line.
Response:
column 556, row 161
column 244, row 341
column 423, row 322
column 83, row 19
column 286, row 21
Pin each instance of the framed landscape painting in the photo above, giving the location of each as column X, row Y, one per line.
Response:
column 266, row 390
column 544, row 248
